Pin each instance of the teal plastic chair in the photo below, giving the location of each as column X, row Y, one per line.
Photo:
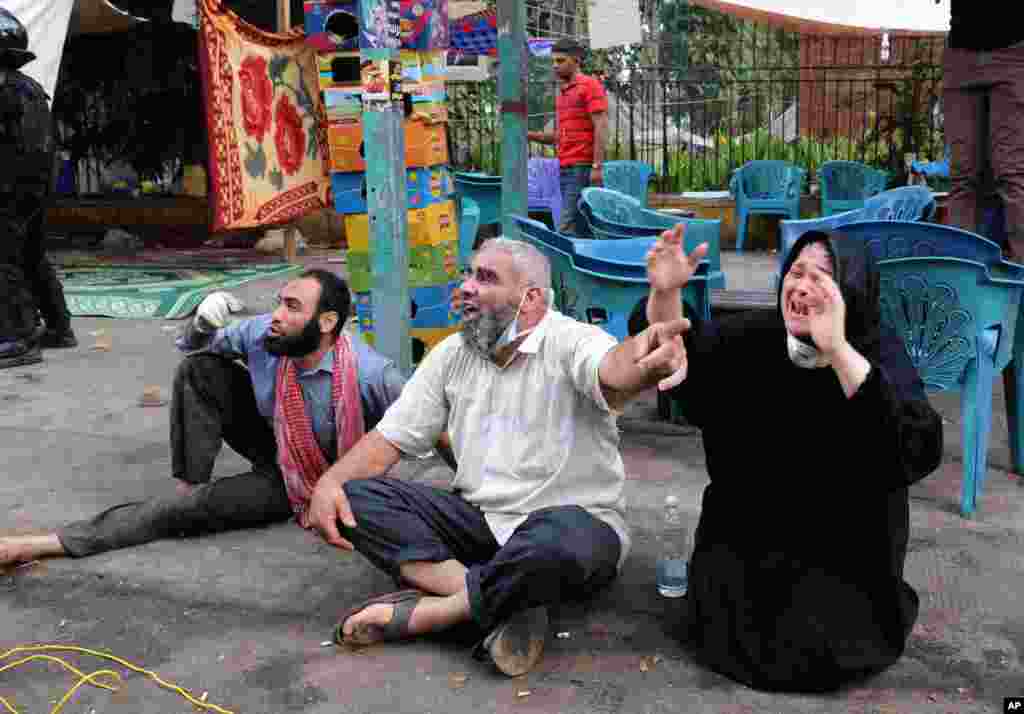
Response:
column 766, row 187
column 611, row 205
column 958, row 322
column 886, row 241
column 485, row 190
column 616, row 207
column 846, row 185
column 600, row 282
column 469, row 223
column 628, row 177
column 698, row 230
column 907, row 203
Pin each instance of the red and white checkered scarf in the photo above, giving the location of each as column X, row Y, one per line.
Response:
column 299, row 455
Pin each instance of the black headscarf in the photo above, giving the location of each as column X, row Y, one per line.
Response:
column 856, row 274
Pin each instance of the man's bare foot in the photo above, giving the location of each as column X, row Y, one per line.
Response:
column 15, row 550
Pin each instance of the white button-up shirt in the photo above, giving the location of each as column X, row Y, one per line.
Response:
column 535, row 434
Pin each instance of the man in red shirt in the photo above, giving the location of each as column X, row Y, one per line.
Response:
column 581, row 129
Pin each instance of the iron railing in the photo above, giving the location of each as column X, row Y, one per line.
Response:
column 695, row 126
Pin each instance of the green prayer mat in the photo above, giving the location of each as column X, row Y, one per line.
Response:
column 155, row 292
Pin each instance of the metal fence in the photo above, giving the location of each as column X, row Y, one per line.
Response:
column 843, row 99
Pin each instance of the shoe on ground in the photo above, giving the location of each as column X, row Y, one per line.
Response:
column 52, row 339
column 516, row 645
column 19, row 353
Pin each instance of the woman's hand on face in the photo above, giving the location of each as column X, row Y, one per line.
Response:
column 668, row 265
column 828, row 315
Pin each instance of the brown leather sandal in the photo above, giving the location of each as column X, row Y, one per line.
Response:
column 404, row 601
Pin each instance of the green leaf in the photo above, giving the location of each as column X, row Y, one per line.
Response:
column 255, row 161
column 276, row 179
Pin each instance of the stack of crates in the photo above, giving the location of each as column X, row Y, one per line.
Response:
column 336, row 28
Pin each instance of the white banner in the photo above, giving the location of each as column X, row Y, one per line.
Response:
column 47, row 25
column 185, row 11
column 614, row 23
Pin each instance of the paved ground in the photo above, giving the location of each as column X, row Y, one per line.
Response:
column 242, row 616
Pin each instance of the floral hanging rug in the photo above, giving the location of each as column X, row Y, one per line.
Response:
column 265, row 120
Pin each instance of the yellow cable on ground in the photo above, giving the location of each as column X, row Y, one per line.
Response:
column 91, row 678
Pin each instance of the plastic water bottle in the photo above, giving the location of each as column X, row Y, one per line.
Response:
column 672, row 576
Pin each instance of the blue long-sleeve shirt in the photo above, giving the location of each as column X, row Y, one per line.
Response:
column 380, row 381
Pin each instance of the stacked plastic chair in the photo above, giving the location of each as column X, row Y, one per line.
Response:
column 765, row 187
column 907, row 203
column 846, row 185
column 613, row 216
column 600, row 282
column 955, row 302
column 628, row 177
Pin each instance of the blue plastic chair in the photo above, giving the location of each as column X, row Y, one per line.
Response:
column 906, row 203
column 628, row 177
column 544, row 188
column 610, row 205
column 469, row 223
column 485, row 190
column 846, row 185
column 888, row 240
column 958, row 323
column 613, row 206
column 600, row 282
column 766, row 187
column 698, row 230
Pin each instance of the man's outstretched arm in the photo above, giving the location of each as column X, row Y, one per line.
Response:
column 643, row 361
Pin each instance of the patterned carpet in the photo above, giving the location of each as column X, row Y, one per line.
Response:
column 154, row 291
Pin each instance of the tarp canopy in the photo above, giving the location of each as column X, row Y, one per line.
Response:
column 914, row 15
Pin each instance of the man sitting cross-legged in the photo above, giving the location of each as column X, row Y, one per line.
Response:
column 529, row 398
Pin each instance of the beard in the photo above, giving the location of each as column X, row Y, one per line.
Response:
column 300, row 345
column 482, row 333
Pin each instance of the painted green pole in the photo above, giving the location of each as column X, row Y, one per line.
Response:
column 384, row 147
column 512, row 85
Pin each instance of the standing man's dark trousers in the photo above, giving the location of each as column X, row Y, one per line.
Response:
column 18, row 335
column 213, row 402
column 42, row 278
column 556, row 554
column 1000, row 73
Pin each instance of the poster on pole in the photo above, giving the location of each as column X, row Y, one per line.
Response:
column 614, row 23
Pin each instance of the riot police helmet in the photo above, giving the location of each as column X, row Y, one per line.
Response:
column 13, row 42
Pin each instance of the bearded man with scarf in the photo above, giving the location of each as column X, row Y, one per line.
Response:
column 535, row 515
column 305, row 396
column 796, row 578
